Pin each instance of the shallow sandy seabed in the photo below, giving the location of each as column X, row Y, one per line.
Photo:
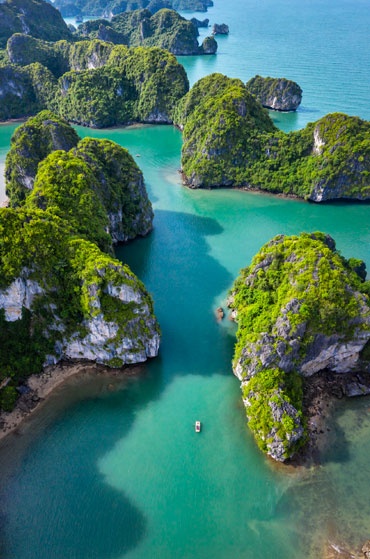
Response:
column 41, row 386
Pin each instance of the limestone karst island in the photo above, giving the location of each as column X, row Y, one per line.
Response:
column 184, row 300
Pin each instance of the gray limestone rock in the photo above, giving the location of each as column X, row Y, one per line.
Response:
column 279, row 94
column 328, row 333
column 220, row 29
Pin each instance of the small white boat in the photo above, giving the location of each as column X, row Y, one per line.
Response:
column 197, row 426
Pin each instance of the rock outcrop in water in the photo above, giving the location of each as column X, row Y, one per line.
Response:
column 106, row 85
column 220, row 29
column 278, row 94
column 301, row 310
column 62, row 294
column 230, row 140
column 200, row 23
column 165, row 29
column 109, row 8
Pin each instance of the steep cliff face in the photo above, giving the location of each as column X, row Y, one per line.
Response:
column 121, row 328
column 33, row 17
column 19, row 294
column 59, row 57
column 341, row 149
column 107, row 8
column 121, row 187
column 136, row 85
column 17, row 95
column 301, row 309
column 279, row 94
column 223, row 126
column 220, row 29
column 109, row 172
column 118, row 326
column 229, row 140
column 209, row 46
column 62, row 293
column 165, row 29
column 106, row 85
column 30, row 144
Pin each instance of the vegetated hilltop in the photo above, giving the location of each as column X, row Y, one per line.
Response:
column 165, row 29
column 106, row 85
column 229, row 140
column 279, row 94
column 223, row 128
column 62, row 294
column 301, row 308
column 32, row 17
column 108, row 8
column 120, row 182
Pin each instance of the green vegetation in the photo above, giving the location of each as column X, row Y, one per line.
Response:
column 165, row 29
column 271, row 394
column 54, row 245
column 224, row 130
column 40, row 18
column 24, row 91
column 127, row 85
column 101, row 177
column 17, row 97
column 159, row 80
column 230, row 141
column 66, row 186
column 97, row 98
column 30, row 144
column 302, row 268
column 101, row 7
column 59, row 57
column 25, row 49
column 120, row 187
column 297, row 292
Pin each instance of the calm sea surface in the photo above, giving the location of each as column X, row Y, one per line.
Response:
column 112, row 469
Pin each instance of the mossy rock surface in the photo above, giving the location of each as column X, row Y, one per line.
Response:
column 301, row 308
column 30, row 144
column 41, row 19
column 230, row 141
column 101, row 7
column 279, row 94
column 224, row 129
column 105, row 85
column 164, row 28
column 62, row 293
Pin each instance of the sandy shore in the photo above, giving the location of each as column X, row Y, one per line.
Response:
column 39, row 387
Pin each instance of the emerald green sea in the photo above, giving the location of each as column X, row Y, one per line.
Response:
column 112, row 468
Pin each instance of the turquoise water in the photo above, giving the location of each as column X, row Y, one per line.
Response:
column 322, row 45
column 6, row 131
column 112, row 469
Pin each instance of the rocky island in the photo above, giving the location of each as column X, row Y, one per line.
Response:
column 230, row 141
column 302, row 309
column 63, row 295
column 109, row 8
column 165, row 29
column 220, row 29
column 278, row 94
column 92, row 83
